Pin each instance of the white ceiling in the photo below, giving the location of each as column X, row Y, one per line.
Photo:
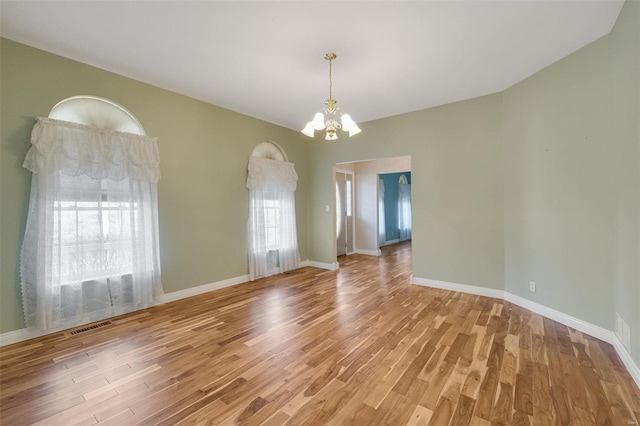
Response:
column 265, row 58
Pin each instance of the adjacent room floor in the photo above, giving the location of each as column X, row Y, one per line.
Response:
column 354, row 346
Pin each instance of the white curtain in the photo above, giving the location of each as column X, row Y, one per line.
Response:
column 404, row 210
column 271, row 229
column 90, row 248
column 382, row 238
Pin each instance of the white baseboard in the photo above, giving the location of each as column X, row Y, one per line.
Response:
column 26, row 334
column 573, row 322
column 625, row 356
column 205, row 288
column 389, row 242
column 330, row 266
column 463, row 288
column 368, row 252
column 568, row 320
column 23, row 334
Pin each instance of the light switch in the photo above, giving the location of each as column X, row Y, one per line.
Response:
column 326, row 208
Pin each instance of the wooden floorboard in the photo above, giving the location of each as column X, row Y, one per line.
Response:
column 355, row 346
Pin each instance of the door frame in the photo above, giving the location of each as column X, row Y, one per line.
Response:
column 353, row 205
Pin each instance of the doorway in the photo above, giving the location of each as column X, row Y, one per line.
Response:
column 363, row 217
column 394, row 207
column 344, row 212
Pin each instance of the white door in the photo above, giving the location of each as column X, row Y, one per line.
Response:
column 348, row 211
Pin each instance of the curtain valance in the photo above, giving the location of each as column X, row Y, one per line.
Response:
column 76, row 149
column 266, row 174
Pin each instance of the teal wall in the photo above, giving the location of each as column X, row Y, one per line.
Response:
column 391, row 203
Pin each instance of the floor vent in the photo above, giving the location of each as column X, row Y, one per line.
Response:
column 91, row 327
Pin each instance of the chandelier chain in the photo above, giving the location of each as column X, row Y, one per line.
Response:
column 330, row 80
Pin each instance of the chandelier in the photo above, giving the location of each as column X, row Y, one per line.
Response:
column 327, row 118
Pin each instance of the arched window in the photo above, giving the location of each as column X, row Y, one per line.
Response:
column 91, row 243
column 97, row 112
column 271, row 228
column 269, row 150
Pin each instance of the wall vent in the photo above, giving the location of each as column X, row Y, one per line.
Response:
column 91, row 327
column 623, row 332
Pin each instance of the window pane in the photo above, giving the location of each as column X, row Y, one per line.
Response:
column 271, row 214
column 68, row 228
column 88, row 225
column 93, row 224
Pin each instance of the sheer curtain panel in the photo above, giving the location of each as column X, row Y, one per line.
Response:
column 90, row 248
column 271, row 228
column 382, row 237
column 404, row 210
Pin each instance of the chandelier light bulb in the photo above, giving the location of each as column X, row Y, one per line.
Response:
column 347, row 123
column 308, row 129
column 354, row 130
column 331, row 135
column 318, row 121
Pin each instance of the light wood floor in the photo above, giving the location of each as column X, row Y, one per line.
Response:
column 359, row 346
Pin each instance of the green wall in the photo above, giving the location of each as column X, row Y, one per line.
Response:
column 625, row 40
column 571, row 147
column 537, row 183
column 204, row 150
column 456, row 187
column 560, row 186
